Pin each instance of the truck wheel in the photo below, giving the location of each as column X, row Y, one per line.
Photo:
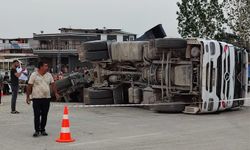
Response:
column 171, row 108
column 64, row 84
column 99, row 94
column 96, row 46
column 100, row 101
column 171, row 43
column 97, row 55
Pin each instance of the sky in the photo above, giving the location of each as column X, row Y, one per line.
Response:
column 22, row 18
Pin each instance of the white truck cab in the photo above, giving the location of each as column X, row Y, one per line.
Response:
column 224, row 77
column 218, row 72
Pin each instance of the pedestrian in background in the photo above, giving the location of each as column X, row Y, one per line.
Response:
column 38, row 92
column 6, row 88
column 23, row 78
column 1, row 86
column 15, row 84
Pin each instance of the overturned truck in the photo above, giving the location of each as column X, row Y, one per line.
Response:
column 174, row 75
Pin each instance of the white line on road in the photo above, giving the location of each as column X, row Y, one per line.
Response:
column 117, row 139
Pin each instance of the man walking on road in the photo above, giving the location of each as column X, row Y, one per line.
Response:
column 15, row 84
column 39, row 92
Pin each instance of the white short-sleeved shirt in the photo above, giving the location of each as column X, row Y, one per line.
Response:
column 41, row 85
column 23, row 76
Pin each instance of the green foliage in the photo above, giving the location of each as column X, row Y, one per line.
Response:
column 238, row 12
column 201, row 18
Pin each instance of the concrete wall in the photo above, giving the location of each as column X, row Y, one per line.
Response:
column 119, row 38
column 103, row 37
column 34, row 43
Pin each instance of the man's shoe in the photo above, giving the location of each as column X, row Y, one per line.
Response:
column 36, row 134
column 43, row 133
column 14, row 112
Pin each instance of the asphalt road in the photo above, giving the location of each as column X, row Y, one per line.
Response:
column 126, row 129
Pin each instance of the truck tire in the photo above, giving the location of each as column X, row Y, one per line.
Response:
column 99, row 94
column 96, row 46
column 100, row 101
column 97, row 55
column 171, row 108
column 64, row 84
column 171, row 43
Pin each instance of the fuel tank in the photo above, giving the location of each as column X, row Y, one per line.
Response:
column 127, row 51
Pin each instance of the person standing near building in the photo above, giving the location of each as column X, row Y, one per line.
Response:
column 14, row 75
column 38, row 92
column 6, row 79
column 23, row 78
column 1, row 86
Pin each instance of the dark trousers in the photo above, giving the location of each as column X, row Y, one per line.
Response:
column 6, row 89
column 41, row 109
column 14, row 89
column 0, row 97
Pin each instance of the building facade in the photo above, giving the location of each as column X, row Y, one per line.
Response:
column 18, row 48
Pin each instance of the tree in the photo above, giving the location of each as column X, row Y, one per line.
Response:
column 200, row 18
column 238, row 12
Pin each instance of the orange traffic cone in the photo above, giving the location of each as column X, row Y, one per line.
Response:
column 65, row 135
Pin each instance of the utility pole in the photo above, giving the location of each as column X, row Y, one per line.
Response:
column 59, row 56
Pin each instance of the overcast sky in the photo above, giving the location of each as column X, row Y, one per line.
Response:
column 21, row 18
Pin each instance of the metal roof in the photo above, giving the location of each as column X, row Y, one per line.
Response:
column 88, row 30
column 63, row 34
column 95, row 31
column 16, row 55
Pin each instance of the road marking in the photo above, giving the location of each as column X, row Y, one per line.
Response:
column 117, row 139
